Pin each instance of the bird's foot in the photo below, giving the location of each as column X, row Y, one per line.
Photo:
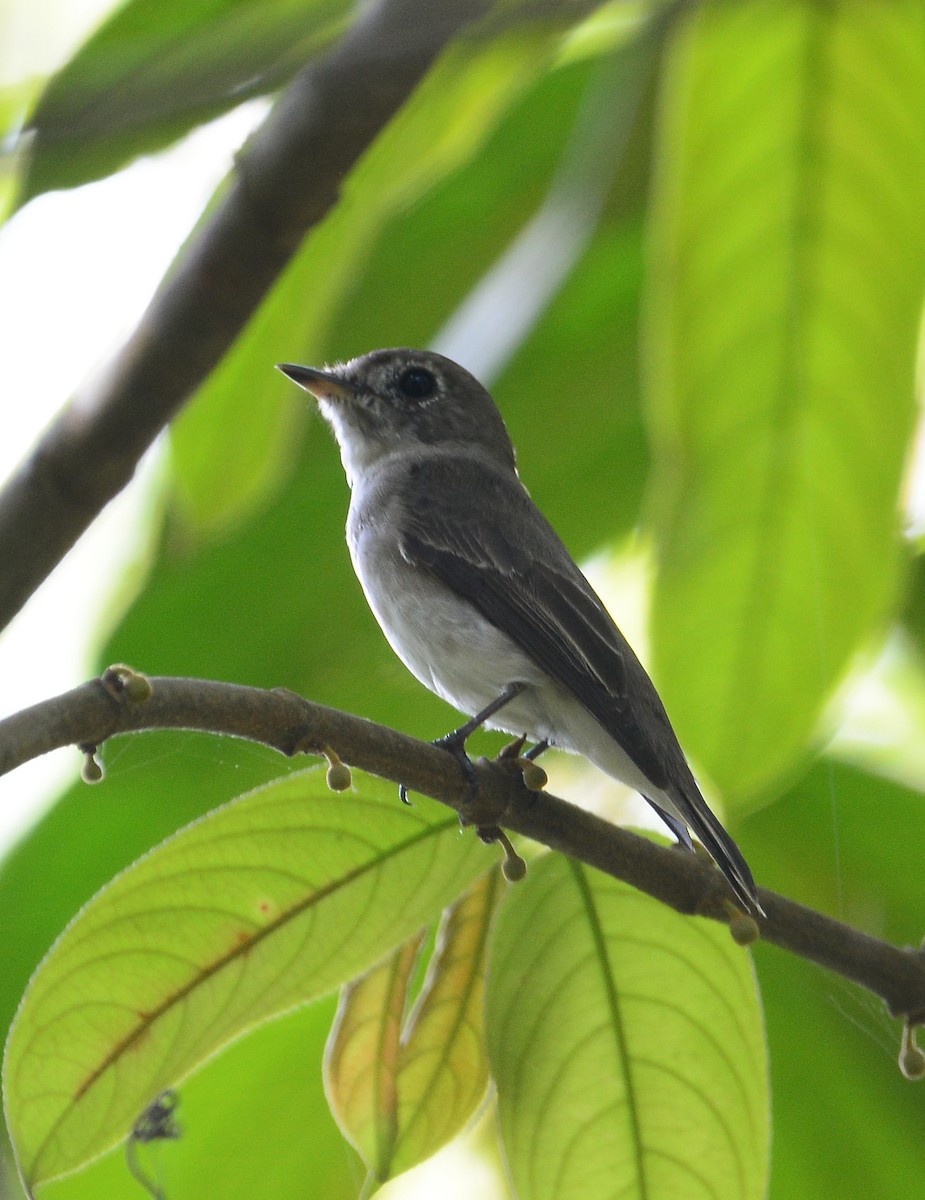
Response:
column 455, row 743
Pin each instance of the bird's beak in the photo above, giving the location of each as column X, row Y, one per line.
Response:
column 323, row 385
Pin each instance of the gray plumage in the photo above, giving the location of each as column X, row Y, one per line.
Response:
column 475, row 591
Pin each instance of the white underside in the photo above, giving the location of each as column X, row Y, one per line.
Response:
column 450, row 647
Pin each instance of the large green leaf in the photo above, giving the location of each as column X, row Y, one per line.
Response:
column 846, row 842
column 264, row 904
column 789, row 270
column 627, row 1045
column 157, row 68
column 154, row 785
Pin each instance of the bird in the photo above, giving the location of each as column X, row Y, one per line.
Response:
column 479, row 597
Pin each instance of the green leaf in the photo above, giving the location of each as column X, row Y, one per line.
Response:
column 253, row 1119
column 784, row 311
column 848, row 843
column 15, row 100
column 259, row 907
column 157, row 68
column 626, row 1043
column 400, row 1083
column 913, row 611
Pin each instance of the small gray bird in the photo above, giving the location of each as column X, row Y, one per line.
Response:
column 478, row 596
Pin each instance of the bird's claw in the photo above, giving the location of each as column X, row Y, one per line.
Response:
column 455, row 743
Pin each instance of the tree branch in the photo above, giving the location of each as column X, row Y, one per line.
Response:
column 288, row 177
column 92, row 713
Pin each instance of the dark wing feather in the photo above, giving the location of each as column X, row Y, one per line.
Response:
column 502, row 555
column 490, row 544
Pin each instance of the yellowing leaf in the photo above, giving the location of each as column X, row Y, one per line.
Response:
column 362, row 1057
column 264, row 904
column 626, row 1044
column 401, row 1089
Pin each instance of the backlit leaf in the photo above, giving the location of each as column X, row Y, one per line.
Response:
column 262, row 905
column 626, row 1044
column 784, row 311
column 402, row 1084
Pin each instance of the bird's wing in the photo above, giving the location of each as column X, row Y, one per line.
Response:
column 500, row 553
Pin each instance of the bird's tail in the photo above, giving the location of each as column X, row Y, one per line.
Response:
column 706, row 827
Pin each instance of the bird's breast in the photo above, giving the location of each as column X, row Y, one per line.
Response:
column 441, row 637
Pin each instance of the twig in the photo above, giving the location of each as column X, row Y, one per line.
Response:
column 104, row 708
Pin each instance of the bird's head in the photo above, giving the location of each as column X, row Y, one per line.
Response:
column 396, row 401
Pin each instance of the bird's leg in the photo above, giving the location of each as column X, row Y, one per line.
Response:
column 459, row 737
column 455, row 743
column 535, row 751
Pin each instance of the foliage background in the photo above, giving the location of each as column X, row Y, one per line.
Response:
column 722, row 385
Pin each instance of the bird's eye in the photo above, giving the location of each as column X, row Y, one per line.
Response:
column 417, row 383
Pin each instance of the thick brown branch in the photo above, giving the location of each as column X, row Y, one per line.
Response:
column 99, row 710
column 288, row 177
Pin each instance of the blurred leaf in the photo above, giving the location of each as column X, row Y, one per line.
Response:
column 585, row 460
column 881, row 714
column 784, row 315
column 402, row 1084
column 261, row 906
column 157, row 68
column 233, row 443
column 848, row 843
column 621, row 1036
column 913, row 612
column 14, row 103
